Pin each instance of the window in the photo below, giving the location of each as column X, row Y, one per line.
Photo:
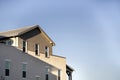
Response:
column 37, row 49
column 47, row 73
column 46, row 51
column 8, row 42
column 47, row 77
column 24, row 70
column 24, row 46
column 59, row 74
column 24, row 74
column 7, row 68
column 47, row 70
column 37, row 78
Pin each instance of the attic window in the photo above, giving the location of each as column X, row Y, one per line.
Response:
column 46, row 51
column 24, row 46
column 37, row 49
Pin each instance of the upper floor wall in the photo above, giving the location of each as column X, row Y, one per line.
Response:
column 36, row 42
column 29, row 39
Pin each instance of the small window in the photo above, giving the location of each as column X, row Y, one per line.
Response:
column 24, row 46
column 47, row 77
column 8, row 42
column 59, row 74
column 46, row 51
column 47, row 70
column 37, row 78
column 37, row 49
column 7, row 72
column 24, row 70
column 7, row 68
column 47, row 73
column 24, row 74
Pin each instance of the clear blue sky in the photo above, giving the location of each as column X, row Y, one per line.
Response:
column 86, row 32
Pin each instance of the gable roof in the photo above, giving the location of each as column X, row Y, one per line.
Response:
column 20, row 31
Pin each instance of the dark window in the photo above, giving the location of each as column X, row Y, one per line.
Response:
column 47, row 77
column 46, row 51
column 36, row 49
column 23, row 49
column 24, row 74
column 7, row 68
column 24, row 70
column 58, row 77
column 36, row 52
column 24, row 46
column 7, row 72
column 59, row 74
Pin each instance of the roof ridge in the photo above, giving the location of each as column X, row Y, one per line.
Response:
column 19, row 28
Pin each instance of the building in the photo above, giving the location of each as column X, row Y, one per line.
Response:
column 26, row 54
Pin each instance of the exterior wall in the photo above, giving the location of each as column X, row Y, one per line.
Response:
column 56, row 61
column 37, row 39
column 35, row 67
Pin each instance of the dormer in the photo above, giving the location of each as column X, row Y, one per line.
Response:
column 31, row 38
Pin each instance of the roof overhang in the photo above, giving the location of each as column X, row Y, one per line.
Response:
column 68, row 68
column 46, row 36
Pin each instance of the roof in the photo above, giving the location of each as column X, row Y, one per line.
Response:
column 69, row 68
column 20, row 31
